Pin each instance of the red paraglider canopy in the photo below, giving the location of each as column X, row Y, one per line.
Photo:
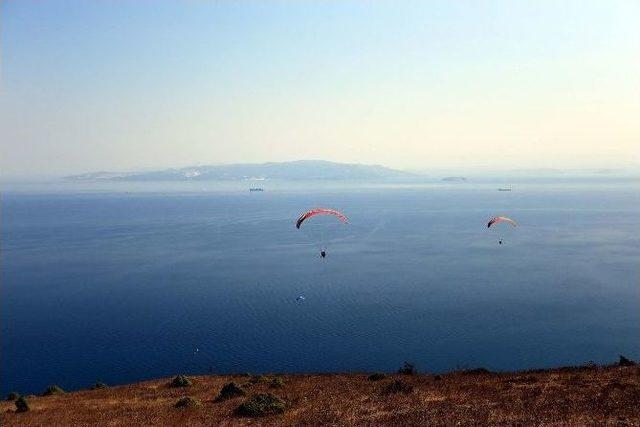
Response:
column 320, row 211
column 498, row 219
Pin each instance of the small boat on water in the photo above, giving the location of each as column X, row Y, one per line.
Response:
column 256, row 189
column 504, row 189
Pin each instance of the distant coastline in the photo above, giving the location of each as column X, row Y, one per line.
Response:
column 321, row 170
column 306, row 170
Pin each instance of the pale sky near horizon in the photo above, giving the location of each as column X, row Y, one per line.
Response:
column 121, row 85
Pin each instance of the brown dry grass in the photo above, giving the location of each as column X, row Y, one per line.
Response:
column 575, row 396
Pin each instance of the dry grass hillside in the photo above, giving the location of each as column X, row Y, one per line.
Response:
column 566, row 396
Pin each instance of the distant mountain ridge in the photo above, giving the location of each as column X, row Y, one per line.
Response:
column 296, row 170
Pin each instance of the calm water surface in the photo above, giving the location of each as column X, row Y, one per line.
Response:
column 121, row 286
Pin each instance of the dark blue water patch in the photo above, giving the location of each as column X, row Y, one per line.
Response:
column 125, row 287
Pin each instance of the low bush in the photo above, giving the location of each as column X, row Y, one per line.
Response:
column 99, row 385
column 625, row 362
column 187, row 402
column 276, row 382
column 180, row 381
column 51, row 390
column 13, row 396
column 377, row 376
column 229, row 391
column 408, row 369
column 398, row 387
column 255, row 379
column 261, row 405
column 21, row 404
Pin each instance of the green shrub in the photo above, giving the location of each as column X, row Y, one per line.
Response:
column 377, row 376
column 21, row 404
column 99, row 385
column 408, row 369
column 261, row 405
column 259, row 379
column 13, row 396
column 398, row 387
column 51, row 390
column 255, row 379
column 229, row 391
column 187, row 402
column 625, row 362
column 276, row 382
column 180, row 381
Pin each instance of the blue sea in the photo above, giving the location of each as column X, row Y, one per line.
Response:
column 124, row 282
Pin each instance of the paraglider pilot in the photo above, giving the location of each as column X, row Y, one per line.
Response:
column 320, row 211
column 498, row 219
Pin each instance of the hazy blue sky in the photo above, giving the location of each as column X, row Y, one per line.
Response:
column 118, row 85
